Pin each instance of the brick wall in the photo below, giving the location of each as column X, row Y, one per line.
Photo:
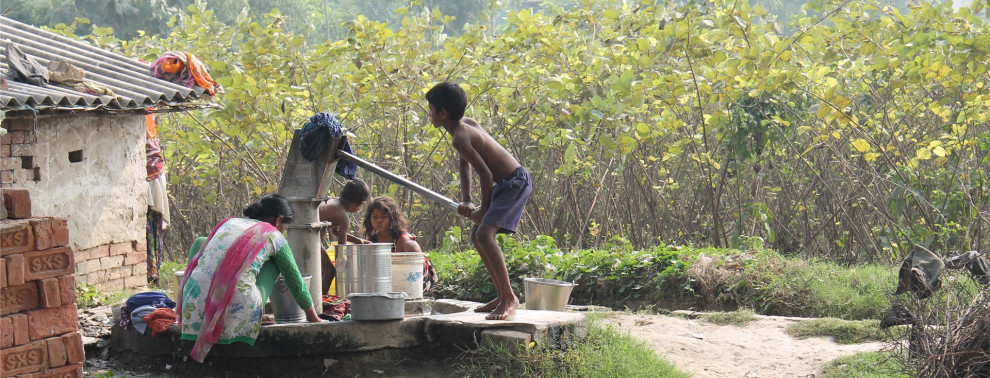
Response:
column 15, row 150
column 38, row 319
column 113, row 267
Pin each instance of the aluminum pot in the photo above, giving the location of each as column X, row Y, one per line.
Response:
column 377, row 306
column 363, row 268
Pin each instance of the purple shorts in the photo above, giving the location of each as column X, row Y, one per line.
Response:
column 509, row 197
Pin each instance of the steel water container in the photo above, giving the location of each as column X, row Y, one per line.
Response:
column 364, row 268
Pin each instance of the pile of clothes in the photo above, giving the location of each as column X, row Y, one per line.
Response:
column 58, row 72
column 184, row 68
column 151, row 309
column 335, row 308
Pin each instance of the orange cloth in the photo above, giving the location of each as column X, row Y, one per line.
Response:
column 159, row 320
column 173, row 65
column 198, row 71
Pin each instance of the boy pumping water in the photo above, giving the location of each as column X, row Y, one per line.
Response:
column 505, row 188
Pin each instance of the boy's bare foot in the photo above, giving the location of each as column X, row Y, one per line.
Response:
column 487, row 307
column 504, row 310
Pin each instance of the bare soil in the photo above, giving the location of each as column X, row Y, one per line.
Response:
column 759, row 348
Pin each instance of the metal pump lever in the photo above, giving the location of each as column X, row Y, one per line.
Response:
column 429, row 194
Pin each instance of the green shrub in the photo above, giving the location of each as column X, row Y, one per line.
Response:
column 703, row 279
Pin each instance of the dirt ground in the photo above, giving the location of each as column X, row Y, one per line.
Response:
column 756, row 349
column 703, row 349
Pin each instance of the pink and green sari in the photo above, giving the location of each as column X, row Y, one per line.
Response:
column 220, row 301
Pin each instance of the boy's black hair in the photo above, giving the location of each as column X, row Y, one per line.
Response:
column 450, row 96
column 355, row 191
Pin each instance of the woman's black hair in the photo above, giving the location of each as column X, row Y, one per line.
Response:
column 272, row 205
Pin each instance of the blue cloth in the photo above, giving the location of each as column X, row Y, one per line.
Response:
column 156, row 299
column 137, row 317
column 509, row 198
column 320, row 129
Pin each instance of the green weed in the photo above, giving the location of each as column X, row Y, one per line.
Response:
column 734, row 317
column 88, row 296
column 605, row 353
column 842, row 331
column 870, row 364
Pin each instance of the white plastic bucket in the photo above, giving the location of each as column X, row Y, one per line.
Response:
column 407, row 273
column 178, row 280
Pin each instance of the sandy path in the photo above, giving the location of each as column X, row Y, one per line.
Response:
column 756, row 349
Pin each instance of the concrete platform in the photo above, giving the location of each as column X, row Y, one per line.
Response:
column 308, row 348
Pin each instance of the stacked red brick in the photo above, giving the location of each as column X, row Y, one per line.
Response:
column 13, row 147
column 38, row 321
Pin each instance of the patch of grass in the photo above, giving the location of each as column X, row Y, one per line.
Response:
column 826, row 289
column 869, row 364
column 88, row 296
column 166, row 276
column 842, row 331
column 739, row 317
column 605, row 353
column 121, row 296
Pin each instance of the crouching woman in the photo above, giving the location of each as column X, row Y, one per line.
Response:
column 221, row 301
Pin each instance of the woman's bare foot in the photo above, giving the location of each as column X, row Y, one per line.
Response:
column 504, row 310
column 488, row 307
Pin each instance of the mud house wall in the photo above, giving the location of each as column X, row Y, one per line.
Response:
column 91, row 170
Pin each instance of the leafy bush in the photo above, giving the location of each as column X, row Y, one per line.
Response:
column 854, row 134
column 678, row 277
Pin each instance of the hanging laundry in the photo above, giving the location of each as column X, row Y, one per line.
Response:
column 320, row 130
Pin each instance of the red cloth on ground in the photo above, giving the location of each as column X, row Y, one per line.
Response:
column 159, row 320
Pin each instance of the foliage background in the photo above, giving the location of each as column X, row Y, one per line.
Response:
column 850, row 133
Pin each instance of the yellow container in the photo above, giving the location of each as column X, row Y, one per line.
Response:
column 332, row 253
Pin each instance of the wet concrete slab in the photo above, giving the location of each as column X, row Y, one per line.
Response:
column 450, row 325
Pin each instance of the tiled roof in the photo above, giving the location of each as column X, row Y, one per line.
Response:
column 131, row 80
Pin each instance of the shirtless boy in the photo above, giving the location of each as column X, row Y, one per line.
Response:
column 505, row 188
column 334, row 210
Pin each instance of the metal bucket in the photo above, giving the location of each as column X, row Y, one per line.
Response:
column 284, row 304
column 364, row 268
column 547, row 294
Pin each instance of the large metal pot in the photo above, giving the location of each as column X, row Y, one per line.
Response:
column 364, row 268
